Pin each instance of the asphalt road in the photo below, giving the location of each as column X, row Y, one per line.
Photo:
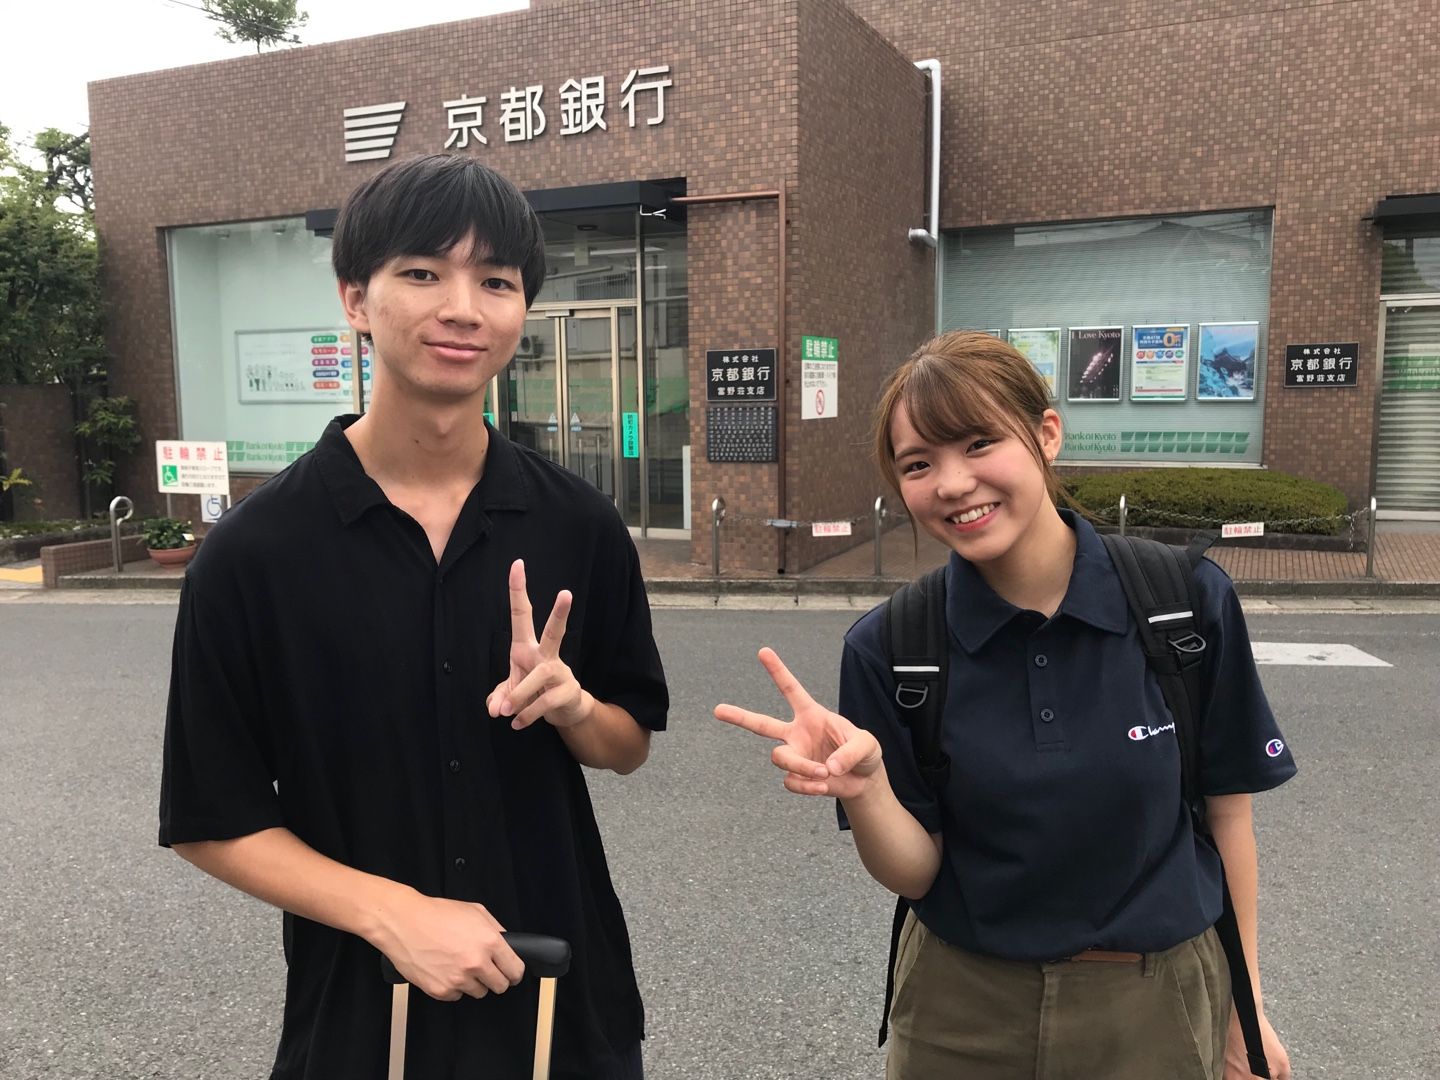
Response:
column 759, row 939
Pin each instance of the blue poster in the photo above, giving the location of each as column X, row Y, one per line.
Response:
column 1227, row 361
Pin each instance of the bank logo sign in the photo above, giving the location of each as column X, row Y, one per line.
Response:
column 370, row 130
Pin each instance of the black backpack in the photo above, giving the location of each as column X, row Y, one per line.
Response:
column 1159, row 585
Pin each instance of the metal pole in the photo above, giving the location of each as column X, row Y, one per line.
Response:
column 717, row 515
column 115, row 504
column 1370, row 542
column 1122, row 515
column 879, row 517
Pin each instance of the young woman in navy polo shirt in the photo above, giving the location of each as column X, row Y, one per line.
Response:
column 1062, row 906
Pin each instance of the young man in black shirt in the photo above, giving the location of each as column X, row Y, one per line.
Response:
column 362, row 734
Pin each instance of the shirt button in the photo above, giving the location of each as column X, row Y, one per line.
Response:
column 1047, row 715
column 459, row 864
column 1041, row 660
column 454, row 764
column 447, row 667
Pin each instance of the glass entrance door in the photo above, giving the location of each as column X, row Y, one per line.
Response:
column 589, row 396
column 564, row 396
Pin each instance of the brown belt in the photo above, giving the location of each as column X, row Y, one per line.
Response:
column 1109, row 957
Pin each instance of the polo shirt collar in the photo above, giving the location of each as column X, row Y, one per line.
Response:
column 352, row 491
column 975, row 612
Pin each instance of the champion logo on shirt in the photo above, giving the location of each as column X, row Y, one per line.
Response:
column 1274, row 748
column 1143, row 731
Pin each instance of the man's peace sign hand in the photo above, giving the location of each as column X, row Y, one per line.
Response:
column 540, row 683
column 820, row 751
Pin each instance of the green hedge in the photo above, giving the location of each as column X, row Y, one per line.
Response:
column 1205, row 498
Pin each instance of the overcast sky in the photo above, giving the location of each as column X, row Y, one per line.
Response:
column 49, row 52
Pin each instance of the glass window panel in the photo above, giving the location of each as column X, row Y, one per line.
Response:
column 262, row 353
column 1174, row 272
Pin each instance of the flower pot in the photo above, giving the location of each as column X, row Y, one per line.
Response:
column 172, row 556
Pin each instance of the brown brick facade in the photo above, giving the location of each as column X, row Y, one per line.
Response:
column 260, row 137
column 36, row 425
column 1315, row 109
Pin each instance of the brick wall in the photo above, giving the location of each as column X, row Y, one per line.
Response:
column 35, row 433
column 272, row 144
column 1094, row 108
column 856, row 275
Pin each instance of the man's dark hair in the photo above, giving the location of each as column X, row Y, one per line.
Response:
column 427, row 205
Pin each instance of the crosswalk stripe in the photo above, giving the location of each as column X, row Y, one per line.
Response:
column 1313, row 654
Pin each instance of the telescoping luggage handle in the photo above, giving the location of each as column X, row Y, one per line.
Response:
column 545, row 957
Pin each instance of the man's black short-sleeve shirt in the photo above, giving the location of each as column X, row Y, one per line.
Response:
column 329, row 677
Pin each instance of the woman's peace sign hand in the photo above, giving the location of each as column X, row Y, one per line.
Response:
column 820, row 751
column 540, row 683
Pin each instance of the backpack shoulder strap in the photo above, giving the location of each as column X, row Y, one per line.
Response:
column 1159, row 584
column 919, row 654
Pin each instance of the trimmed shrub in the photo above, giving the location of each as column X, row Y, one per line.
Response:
column 1206, row 498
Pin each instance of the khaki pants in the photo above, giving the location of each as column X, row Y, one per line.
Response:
column 960, row 1016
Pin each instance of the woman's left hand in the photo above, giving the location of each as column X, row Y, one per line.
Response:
column 1237, row 1065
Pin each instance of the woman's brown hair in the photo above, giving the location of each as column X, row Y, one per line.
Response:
column 965, row 383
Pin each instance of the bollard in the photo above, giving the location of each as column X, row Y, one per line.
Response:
column 1122, row 515
column 717, row 512
column 115, row 504
column 879, row 518
column 1370, row 542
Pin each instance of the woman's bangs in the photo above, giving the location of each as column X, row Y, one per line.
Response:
column 943, row 407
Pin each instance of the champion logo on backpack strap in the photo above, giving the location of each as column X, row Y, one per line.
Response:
column 1144, row 731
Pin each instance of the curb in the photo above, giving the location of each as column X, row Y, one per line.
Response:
column 797, row 587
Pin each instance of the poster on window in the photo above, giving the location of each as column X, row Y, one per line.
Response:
column 1042, row 348
column 1159, row 362
column 1094, row 367
column 1227, row 361
column 296, row 366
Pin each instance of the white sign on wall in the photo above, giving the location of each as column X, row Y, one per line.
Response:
column 191, row 468
column 819, row 378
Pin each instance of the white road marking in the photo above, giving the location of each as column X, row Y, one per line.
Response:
column 1314, row 654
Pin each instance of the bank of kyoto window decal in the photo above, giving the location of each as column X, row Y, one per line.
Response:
column 370, row 130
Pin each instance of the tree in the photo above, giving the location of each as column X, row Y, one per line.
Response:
column 50, row 307
column 265, row 22
column 67, row 167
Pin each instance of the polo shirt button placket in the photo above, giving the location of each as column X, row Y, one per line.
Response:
column 1047, row 716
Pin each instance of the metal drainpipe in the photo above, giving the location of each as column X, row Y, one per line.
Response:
column 930, row 236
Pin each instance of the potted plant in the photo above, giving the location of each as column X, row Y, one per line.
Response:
column 169, row 542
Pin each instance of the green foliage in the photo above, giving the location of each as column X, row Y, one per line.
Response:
column 110, row 432
column 265, row 22
column 67, row 167
column 50, row 307
column 9, row 530
column 1205, row 498
column 15, row 478
column 163, row 532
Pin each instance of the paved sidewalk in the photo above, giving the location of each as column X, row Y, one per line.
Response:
column 1407, row 563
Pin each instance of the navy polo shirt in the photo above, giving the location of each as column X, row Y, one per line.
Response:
column 1063, row 823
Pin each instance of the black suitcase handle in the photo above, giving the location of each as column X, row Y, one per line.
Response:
column 543, row 956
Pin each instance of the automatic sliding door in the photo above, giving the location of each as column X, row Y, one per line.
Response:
column 590, row 398
column 531, row 384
